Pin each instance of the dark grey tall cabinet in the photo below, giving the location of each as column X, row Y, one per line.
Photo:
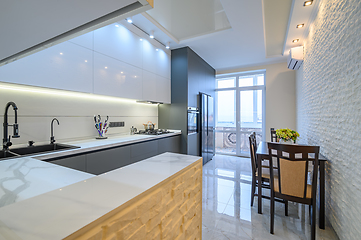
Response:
column 190, row 74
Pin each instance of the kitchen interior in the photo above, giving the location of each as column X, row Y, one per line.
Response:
column 112, row 116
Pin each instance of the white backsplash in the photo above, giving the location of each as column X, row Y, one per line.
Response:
column 75, row 112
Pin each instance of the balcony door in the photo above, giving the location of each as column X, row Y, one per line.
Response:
column 240, row 110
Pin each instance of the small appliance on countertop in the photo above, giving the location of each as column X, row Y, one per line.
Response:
column 153, row 132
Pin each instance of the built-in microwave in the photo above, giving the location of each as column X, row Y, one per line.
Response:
column 193, row 115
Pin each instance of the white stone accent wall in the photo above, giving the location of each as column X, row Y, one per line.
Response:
column 328, row 88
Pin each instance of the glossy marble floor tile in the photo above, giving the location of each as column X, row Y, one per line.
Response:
column 227, row 211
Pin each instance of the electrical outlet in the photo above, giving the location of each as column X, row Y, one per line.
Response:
column 116, row 124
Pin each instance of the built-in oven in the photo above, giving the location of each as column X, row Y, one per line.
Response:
column 193, row 115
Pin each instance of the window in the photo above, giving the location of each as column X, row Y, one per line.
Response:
column 239, row 99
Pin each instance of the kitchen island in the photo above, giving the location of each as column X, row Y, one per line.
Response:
column 157, row 197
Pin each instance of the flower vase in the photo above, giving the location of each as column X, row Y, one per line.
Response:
column 289, row 141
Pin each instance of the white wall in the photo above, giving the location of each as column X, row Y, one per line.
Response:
column 329, row 108
column 280, row 95
column 75, row 111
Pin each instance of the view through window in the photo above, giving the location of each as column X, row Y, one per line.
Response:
column 239, row 112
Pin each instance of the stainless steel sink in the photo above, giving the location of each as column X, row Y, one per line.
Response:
column 16, row 152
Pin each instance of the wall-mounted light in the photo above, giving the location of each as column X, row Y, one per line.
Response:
column 295, row 40
column 307, row 3
column 300, row 25
column 151, row 35
column 129, row 20
column 167, row 46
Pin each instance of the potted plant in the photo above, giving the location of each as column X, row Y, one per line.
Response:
column 286, row 135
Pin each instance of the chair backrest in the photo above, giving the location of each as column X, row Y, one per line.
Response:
column 273, row 135
column 253, row 150
column 293, row 162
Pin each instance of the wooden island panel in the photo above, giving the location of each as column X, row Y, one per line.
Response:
column 171, row 209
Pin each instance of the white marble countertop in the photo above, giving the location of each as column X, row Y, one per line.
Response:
column 25, row 177
column 112, row 141
column 58, row 213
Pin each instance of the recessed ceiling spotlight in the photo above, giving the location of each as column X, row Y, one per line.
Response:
column 307, row 3
column 141, row 39
column 151, row 34
column 167, row 46
column 157, row 49
column 129, row 20
column 121, row 72
column 106, row 67
column 61, row 53
column 117, row 25
column 86, row 61
column 300, row 25
column 295, row 40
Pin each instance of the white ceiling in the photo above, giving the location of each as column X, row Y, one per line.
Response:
column 241, row 45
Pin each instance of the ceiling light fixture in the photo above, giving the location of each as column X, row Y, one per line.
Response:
column 117, row 25
column 157, row 49
column 307, row 3
column 167, row 46
column 295, row 40
column 129, row 20
column 151, row 34
column 300, row 25
column 141, row 39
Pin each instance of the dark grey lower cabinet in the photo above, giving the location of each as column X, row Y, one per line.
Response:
column 107, row 160
column 141, row 151
column 77, row 162
column 170, row 144
column 110, row 159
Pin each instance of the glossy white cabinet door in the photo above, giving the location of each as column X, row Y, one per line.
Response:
column 163, row 90
column 163, row 64
column 116, row 78
column 149, row 86
column 150, row 54
column 85, row 40
column 64, row 66
column 120, row 43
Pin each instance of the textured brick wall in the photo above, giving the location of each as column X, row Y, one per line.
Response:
column 172, row 210
column 328, row 89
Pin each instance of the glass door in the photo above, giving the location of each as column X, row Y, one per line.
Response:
column 239, row 112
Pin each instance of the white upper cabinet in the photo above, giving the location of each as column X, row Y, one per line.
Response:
column 113, row 77
column 27, row 26
column 85, row 40
column 163, row 64
column 110, row 61
column 65, row 66
column 118, row 42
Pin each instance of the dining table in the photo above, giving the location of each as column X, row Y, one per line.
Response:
column 262, row 154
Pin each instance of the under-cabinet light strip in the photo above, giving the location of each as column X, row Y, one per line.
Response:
column 62, row 93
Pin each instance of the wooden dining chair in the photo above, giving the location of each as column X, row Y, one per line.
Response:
column 265, row 173
column 291, row 180
column 273, row 135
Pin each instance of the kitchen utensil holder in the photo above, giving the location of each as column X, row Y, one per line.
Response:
column 101, row 127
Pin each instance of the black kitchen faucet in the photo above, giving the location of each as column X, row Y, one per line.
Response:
column 6, row 140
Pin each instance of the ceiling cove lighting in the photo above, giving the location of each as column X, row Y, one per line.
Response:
column 307, row 3
column 151, row 35
column 300, row 25
column 167, row 46
column 129, row 20
column 295, row 40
